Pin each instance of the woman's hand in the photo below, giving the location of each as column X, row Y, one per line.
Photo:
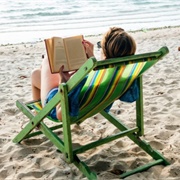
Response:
column 65, row 75
column 89, row 48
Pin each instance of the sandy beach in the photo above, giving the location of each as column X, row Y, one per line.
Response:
column 37, row 158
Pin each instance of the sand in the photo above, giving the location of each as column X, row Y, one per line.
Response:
column 37, row 158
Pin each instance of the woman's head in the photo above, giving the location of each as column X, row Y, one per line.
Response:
column 117, row 43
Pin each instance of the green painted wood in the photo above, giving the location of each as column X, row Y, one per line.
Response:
column 132, row 59
column 29, row 127
column 34, row 121
column 152, row 58
column 52, row 137
column 66, row 123
column 141, row 168
column 39, row 132
column 84, row 169
column 24, row 109
column 135, row 138
column 139, row 108
column 104, row 140
column 81, row 73
column 65, row 145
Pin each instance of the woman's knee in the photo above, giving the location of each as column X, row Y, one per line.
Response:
column 36, row 77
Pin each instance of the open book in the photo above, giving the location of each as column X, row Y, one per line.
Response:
column 68, row 51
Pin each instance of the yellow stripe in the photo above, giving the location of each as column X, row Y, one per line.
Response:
column 116, row 81
column 109, row 94
column 135, row 74
column 97, row 82
column 38, row 105
column 113, row 87
column 137, row 70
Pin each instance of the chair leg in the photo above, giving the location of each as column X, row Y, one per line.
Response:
column 39, row 132
column 66, row 124
column 34, row 120
column 160, row 159
column 84, row 169
column 139, row 108
column 141, row 168
column 29, row 127
column 52, row 137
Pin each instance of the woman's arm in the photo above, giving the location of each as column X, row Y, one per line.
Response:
column 65, row 76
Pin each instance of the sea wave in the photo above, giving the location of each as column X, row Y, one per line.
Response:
column 91, row 16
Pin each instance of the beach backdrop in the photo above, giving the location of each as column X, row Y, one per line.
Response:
column 30, row 22
column 22, row 21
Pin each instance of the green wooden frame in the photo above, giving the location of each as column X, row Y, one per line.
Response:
column 65, row 145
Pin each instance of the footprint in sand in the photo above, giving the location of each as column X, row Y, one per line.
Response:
column 172, row 127
column 100, row 166
column 11, row 111
column 157, row 145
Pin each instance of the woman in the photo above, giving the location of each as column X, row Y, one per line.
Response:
column 115, row 43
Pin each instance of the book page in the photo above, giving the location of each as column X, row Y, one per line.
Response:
column 75, row 51
column 59, row 55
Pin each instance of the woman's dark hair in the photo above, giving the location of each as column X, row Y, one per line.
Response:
column 117, row 43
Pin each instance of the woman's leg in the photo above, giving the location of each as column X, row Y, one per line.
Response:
column 48, row 80
column 36, row 84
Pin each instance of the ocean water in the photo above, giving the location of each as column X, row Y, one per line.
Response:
column 34, row 20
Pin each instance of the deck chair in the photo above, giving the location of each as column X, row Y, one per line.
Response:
column 107, row 81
